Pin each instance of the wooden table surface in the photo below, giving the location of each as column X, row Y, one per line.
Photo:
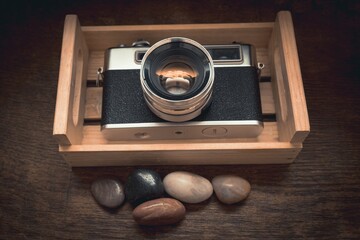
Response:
column 316, row 197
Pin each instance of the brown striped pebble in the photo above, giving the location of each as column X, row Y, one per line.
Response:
column 162, row 211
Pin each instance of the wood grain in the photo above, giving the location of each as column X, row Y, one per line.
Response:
column 292, row 115
column 316, row 197
column 70, row 101
column 100, row 38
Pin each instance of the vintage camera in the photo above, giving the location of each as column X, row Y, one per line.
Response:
column 180, row 89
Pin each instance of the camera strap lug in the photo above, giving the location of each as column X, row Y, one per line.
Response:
column 259, row 67
column 100, row 77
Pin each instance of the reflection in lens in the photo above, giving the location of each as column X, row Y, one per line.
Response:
column 177, row 78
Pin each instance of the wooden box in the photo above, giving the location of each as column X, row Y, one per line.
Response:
column 78, row 105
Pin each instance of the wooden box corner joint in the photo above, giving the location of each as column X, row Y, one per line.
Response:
column 82, row 53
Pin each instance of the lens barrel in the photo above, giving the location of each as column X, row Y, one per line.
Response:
column 177, row 77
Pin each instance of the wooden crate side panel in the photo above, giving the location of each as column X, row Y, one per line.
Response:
column 280, row 155
column 101, row 38
column 289, row 96
column 70, row 101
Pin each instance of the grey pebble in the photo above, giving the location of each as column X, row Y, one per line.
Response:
column 108, row 192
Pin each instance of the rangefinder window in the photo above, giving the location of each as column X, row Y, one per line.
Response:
column 225, row 54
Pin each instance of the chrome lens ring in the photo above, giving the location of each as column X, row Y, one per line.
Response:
column 180, row 98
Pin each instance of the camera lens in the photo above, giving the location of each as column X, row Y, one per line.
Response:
column 177, row 76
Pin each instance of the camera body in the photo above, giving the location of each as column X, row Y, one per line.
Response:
column 234, row 110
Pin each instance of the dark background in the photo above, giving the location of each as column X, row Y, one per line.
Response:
column 318, row 196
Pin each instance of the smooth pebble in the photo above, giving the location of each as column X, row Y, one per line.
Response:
column 231, row 189
column 187, row 187
column 108, row 192
column 143, row 185
column 161, row 211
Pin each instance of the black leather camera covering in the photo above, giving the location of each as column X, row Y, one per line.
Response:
column 236, row 96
